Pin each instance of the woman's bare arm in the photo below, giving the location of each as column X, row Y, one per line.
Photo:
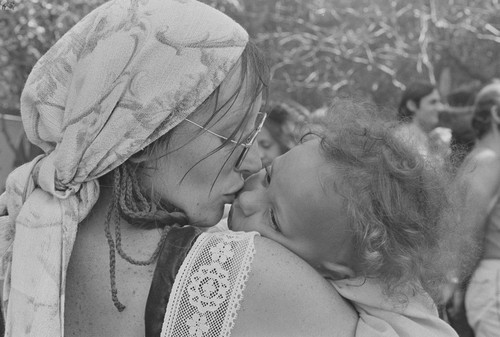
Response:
column 284, row 296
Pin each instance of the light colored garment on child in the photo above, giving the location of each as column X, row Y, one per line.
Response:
column 482, row 300
column 380, row 316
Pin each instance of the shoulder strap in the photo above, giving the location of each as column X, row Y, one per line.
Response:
column 173, row 252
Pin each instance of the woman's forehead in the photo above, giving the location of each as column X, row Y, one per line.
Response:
column 233, row 107
column 239, row 109
column 239, row 82
column 231, row 83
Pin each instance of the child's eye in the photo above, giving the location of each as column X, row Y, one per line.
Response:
column 274, row 223
column 268, row 174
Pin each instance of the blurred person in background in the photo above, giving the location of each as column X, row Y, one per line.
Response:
column 479, row 177
column 279, row 132
column 458, row 116
column 419, row 108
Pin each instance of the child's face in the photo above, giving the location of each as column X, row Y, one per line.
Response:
column 295, row 204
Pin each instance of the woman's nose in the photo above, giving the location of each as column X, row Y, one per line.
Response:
column 252, row 163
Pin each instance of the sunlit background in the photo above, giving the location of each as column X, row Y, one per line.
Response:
column 319, row 49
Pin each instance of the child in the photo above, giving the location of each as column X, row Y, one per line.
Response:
column 366, row 210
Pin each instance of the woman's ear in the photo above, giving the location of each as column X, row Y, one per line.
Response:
column 494, row 114
column 336, row 271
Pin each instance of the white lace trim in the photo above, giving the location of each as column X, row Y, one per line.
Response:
column 209, row 286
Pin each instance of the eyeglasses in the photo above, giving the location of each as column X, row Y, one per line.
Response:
column 247, row 144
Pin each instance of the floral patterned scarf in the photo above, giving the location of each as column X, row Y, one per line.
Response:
column 125, row 75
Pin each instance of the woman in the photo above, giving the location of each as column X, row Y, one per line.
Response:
column 480, row 178
column 160, row 99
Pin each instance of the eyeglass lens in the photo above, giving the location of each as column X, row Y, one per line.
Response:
column 261, row 117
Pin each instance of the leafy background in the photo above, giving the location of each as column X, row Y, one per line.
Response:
column 318, row 48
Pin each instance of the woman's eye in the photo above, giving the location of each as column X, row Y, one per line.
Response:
column 274, row 223
column 268, row 174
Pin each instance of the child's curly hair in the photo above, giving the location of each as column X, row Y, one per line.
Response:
column 396, row 199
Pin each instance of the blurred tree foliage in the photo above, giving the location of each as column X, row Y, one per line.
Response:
column 27, row 31
column 318, row 48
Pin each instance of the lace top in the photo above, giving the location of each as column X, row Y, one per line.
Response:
column 203, row 292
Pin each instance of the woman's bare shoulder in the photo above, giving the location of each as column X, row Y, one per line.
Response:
column 284, row 296
column 480, row 171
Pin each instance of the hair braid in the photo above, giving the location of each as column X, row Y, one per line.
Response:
column 135, row 207
column 127, row 197
column 112, row 251
column 135, row 187
column 132, row 204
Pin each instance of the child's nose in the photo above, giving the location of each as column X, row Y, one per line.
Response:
column 252, row 198
column 252, row 163
column 255, row 181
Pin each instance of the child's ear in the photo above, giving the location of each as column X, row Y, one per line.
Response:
column 494, row 114
column 336, row 271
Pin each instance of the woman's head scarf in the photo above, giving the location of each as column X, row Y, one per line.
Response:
column 125, row 75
